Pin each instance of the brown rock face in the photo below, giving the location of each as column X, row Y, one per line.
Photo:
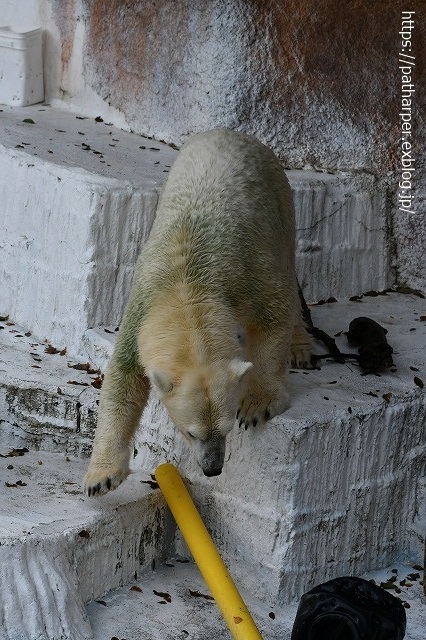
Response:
column 317, row 81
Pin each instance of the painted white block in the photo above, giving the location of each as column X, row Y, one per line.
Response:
column 334, row 486
column 21, row 67
column 59, row 550
column 79, row 199
column 342, row 244
column 78, row 202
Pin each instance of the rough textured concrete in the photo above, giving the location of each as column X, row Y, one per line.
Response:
column 59, row 550
column 320, row 84
column 317, row 83
column 335, row 486
column 143, row 615
column 80, row 199
column 44, row 401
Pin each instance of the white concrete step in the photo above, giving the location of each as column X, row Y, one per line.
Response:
column 335, row 486
column 78, row 201
column 187, row 614
column 59, row 550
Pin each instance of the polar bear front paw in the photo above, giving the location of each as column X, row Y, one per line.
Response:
column 256, row 409
column 100, row 479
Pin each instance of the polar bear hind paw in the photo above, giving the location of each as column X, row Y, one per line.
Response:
column 302, row 359
column 101, row 479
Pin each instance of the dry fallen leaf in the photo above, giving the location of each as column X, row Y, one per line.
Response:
column 135, row 588
column 151, row 483
column 83, row 366
column 418, row 382
column 163, row 594
column 15, row 453
column 97, row 382
column 198, row 594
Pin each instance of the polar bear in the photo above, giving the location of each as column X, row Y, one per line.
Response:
column 213, row 318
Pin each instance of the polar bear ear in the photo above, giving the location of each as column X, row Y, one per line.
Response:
column 161, row 380
column 238, row 368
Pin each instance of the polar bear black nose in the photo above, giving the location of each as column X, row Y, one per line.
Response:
column 212, row 472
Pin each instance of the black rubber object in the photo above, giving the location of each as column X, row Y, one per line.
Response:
column 349, row 609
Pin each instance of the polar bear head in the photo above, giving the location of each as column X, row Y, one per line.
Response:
column 202, row 401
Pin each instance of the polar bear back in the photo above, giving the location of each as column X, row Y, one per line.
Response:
column 225, row 221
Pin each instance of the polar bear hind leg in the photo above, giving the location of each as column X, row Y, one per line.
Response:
column 301, row 347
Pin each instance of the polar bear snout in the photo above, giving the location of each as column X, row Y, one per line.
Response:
column 212, row 473
column 211, row 455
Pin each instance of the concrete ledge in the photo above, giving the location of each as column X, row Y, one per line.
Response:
column 335, row 485
column 59, row 550
column 79, row 201
column 45, row 403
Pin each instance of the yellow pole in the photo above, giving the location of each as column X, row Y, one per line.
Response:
column 205, row 554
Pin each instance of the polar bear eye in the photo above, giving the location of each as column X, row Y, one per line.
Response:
column 191, row 435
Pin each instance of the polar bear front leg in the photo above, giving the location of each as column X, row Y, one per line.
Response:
column 265, row 394
column 123, row 397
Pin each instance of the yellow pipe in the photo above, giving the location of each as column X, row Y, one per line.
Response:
column 205, row 554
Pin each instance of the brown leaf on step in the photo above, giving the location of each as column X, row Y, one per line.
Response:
column 51, row 349
column 151, row 483
column 418, row 382
column 163, row 594
column 83, row 366
column 386, row 397
column 198, row 594
column 102, row 602
column 21, row 484
column 15, row 453
column 135, row 588
column 414, row 369
column 387, row 585
column 10, row 484
column 97, row 382
column 81, row 384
